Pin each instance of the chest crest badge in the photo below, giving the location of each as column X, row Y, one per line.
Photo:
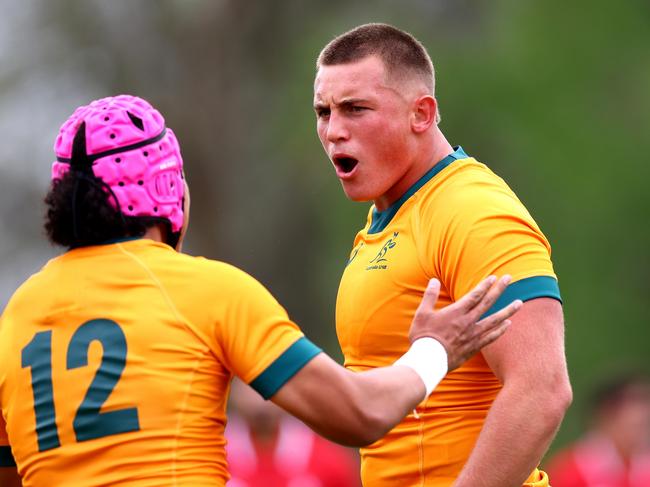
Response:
column 380, row 260
column 354, row 253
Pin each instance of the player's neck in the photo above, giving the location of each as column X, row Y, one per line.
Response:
column 434, row 149
column 155, row 233
column 439, row 149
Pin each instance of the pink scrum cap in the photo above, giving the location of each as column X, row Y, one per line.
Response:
column 122, row 140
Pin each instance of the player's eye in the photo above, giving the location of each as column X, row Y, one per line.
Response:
column 357, row 108
column 322, row 112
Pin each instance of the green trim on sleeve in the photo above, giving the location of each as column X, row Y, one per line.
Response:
column 285, row 367
column 527, row 289
column 6, row 458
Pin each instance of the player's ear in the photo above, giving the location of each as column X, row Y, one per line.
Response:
column 424, row 113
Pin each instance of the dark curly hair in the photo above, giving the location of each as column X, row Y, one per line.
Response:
column 79, row 213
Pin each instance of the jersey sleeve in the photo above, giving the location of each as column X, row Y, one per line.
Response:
column 260, row 344
column 487, row 230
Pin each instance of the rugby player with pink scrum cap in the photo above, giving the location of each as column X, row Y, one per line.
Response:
column 116, row 357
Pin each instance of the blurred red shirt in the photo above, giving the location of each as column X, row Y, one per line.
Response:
column 595, row 462
column 296, row 457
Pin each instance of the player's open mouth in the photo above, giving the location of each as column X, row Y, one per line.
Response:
column 345, row 165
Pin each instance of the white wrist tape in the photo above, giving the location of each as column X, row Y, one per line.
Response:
column 428, row 358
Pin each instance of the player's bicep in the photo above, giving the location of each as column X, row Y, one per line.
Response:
column 314, row 390
column 322, row 395
column 351, row 408
column 532, row 349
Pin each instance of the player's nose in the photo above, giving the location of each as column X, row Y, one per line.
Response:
column 336, row 128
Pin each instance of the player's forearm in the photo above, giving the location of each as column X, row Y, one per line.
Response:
column 517, row 432
column 350, row 408
column 397, row 389
column 370, row 404
column 401, row 387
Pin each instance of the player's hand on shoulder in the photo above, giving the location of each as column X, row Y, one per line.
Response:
column 457, row 326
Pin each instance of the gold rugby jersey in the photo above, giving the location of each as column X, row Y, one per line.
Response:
column 116, row 362
column 459, row 223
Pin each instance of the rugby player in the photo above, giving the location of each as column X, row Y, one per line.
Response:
column 117, row 356
column 437, row 213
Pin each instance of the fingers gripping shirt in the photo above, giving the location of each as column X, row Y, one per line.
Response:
column 115, row 364
column 459, row 223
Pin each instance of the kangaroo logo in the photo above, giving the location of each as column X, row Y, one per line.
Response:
column 354, row 254
column 381, row 255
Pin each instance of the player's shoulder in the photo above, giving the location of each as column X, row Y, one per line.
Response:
column 467, row 173
column 469, row 187
column 25, row 297
column 163, row 260
column 218, row 275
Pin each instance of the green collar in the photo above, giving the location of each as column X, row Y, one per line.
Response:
column 381, row 219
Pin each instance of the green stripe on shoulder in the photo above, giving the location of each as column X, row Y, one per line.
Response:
column 285, row 367
column 527, row 289
column 6, row 458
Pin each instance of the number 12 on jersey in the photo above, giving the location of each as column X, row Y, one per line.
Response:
column 89, row 423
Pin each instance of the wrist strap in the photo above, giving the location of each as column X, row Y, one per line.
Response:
column 428, row 358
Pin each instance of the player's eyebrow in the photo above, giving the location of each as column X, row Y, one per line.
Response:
column 345, row 102
column 352, row 101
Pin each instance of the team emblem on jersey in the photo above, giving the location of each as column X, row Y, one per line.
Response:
column 379, row 261
column 354, row 253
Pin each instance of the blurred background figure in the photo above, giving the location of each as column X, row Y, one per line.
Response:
column 615, row 451
column 270, row 448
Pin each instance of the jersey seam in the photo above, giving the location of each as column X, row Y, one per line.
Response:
column 184, row 321
column 180, row 420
